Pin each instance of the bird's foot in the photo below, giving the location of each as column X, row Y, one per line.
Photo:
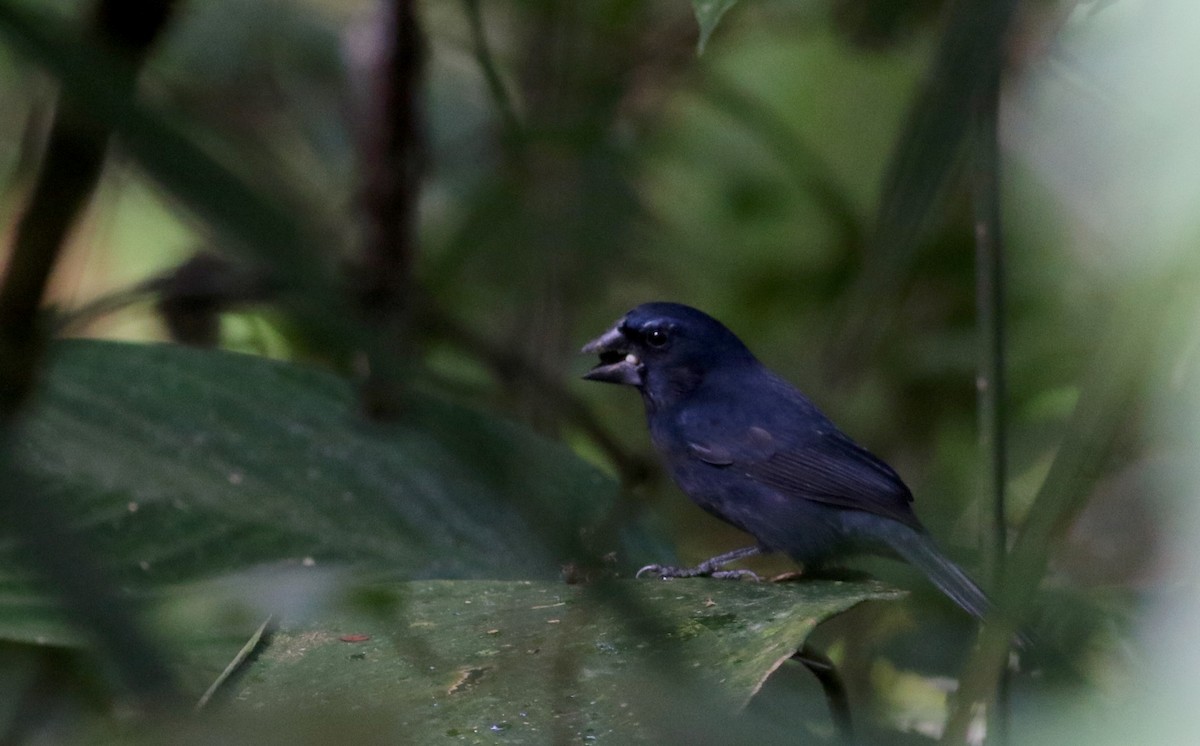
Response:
column 736, row 575
column 708, row 568
column 664, row 572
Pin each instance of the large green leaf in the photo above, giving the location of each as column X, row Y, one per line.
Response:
column 179, row 464
column 535, row 662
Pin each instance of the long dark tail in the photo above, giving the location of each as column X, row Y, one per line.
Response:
column 917, row 548
column 919, row 551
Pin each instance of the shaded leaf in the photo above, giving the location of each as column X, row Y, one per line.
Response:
column 530, row 661
column 968, row 60
column 178, row 464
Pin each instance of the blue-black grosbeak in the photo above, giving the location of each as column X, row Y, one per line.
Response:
column 749, row 448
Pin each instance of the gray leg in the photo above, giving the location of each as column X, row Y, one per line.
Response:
column 707, row 568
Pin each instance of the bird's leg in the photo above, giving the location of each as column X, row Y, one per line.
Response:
column 707, row 568
column 711, row 567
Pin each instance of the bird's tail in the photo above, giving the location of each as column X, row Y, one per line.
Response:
column 919, row 551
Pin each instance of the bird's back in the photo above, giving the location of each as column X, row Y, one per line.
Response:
column 751, row 449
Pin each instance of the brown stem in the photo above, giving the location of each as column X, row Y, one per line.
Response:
column 392, row 159
column 70, row 170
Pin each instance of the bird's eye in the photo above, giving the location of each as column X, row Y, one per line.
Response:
column 656, row 338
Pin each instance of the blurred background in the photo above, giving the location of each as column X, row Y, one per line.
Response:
column 582, row 158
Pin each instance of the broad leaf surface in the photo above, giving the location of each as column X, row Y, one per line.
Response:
column 532, row 661
column 179, row 464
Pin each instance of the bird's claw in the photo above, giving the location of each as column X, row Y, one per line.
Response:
column 662, row 571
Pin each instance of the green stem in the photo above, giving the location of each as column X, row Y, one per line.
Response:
column 991, row 383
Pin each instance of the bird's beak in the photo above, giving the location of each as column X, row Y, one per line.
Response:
column 618, row 364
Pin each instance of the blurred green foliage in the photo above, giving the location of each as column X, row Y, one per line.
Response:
column 582, row 158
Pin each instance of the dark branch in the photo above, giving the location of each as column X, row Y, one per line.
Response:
column 71, row 168
column 831, row 683
column 392, row 160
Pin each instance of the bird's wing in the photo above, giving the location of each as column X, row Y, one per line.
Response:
column 822, row 464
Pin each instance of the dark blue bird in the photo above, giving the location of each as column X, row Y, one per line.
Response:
column 750, row 449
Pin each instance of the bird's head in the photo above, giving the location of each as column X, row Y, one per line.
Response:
column 664, row 348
